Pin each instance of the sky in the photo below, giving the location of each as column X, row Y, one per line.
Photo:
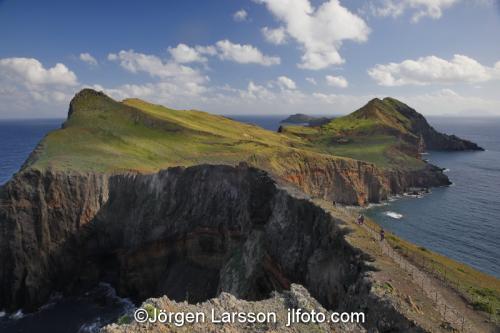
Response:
column 252, row 57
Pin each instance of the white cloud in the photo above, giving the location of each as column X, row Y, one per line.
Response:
column 260, row 99
column 431, row 69
column 320, row 31
column 176, row 83
column 207, row 50
column 186, row 54
column 343, row 103
column 166, row 92
column 224, row 49
column 419, row 8
column 255, row 91
column 449, row 102
column 274, row 36
column 441, row 102
column 27, row 88
column 336, row 81
column 179, row 85
column 240, row 15
column 244, row 54
column 286, row 83
column 88, row 58
column 139, row 62
column 30, row 71
column 311, row 80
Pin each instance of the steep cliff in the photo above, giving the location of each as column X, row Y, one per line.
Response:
column 42, row 213
column 39, row 215
column 148, row 232
column 188, row 233
column 348, row 181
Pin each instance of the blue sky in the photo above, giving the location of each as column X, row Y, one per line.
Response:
column 257, row 57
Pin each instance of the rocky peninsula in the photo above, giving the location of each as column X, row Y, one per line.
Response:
column 193, row 206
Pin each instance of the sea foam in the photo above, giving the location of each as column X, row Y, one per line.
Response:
column 17, row 315
column 394, row 215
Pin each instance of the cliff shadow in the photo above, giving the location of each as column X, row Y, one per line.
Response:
column 193, row 233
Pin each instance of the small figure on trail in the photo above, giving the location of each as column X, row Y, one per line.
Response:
column 361, row 219
column 382, row 234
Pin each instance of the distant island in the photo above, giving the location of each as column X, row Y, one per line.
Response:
column 303, row 119
column 187, row 204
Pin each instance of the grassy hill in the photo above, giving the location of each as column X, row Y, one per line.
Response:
column 386, row 132
column 102, row 134
column 106, row 135
column 375, row 133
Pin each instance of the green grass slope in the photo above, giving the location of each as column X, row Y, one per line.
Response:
column 376, row 133
column 105, row 135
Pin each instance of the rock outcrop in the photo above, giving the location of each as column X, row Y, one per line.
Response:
column 296, row 298
column 353, row 182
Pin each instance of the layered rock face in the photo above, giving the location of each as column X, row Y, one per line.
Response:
column 39, row 215
column 354, row 182
column 44, row 220
column 193, row 233
column 188, row 233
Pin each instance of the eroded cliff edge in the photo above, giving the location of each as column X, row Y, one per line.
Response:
column 44, row 215
column 189, row 233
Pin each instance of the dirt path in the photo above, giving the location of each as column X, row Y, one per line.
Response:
column 421, row 296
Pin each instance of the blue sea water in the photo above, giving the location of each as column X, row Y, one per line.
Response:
column 18, row 138
column 460, row 221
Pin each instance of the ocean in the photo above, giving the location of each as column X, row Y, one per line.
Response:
column 460, row 221
column 18, row 138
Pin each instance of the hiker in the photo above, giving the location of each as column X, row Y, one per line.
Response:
column 361, row 219
column 382, row 234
